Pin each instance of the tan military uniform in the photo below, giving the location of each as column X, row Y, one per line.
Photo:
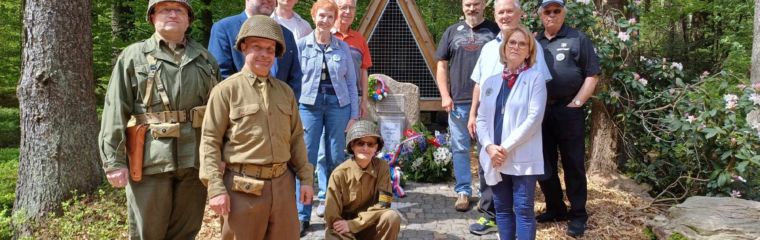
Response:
column 353, row 194
column 253, row 127
column 187, row 73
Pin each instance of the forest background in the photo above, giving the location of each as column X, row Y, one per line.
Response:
column 675, row 106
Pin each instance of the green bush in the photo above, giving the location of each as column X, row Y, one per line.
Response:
column 10, row 131
column 8, row 173
column 97, row 216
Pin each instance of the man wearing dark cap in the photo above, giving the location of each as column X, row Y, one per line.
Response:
column 156, row 85
column 222, row 45
column 252, row 143
column 574, row 66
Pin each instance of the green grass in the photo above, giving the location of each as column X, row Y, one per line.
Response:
column 8, row 173
column 10, row 130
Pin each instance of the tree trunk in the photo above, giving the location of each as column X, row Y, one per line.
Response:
column 204, row 16
column 121, row 23
column 756, row 46
column 604, row 139
column 58, row 152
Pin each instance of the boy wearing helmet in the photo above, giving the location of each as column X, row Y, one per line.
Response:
column 359, row 191
column 252, row 143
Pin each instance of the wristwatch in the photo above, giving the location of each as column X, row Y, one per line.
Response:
column 577, row 102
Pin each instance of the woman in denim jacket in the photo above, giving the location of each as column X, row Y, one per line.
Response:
column 329, row 98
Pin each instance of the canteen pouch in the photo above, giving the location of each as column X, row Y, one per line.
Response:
column 135, row 150
column 247, row 185
column 164, row 130
column 196, row 116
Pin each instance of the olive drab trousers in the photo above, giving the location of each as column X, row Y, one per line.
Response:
column 167, row 205
column 272, row 215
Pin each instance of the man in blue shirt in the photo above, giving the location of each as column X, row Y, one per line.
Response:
column 222, row 42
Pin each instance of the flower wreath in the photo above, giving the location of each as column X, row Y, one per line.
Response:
column 376, row 88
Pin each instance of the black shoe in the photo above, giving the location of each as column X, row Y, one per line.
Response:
column 576, row 228
column 550, row 217
column 304, row 227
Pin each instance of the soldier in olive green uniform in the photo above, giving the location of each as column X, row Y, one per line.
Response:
column 359, row 192
column 158, row 83
column 252, row 143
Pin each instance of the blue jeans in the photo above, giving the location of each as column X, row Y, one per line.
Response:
column 326, row 114
column 513, row 200
column 460, row 147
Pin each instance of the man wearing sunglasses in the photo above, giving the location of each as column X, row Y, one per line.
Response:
column 574, row 66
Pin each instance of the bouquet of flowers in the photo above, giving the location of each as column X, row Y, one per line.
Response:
column 425, row 156
column 376, row 89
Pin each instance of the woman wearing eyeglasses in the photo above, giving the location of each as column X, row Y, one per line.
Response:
column 359, row 192
column 509, row 127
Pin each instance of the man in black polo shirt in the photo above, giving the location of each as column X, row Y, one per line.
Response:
column 457, row 53
column 574, row 66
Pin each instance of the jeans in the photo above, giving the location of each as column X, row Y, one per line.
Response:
column 326, row 114
column 513, row 198
column 460, row 147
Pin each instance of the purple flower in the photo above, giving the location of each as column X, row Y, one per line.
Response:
column 736, row 194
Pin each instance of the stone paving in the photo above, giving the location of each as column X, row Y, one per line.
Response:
column 427, row 213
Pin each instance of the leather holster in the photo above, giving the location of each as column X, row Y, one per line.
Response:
column 136, row 149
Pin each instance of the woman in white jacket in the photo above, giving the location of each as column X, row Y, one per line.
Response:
column 509, row 129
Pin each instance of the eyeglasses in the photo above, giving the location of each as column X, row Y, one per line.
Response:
column 170, row 10
column 515, row 43
column 360, row 143
column 556, row 11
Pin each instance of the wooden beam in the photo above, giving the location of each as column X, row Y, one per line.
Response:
column 430, row 105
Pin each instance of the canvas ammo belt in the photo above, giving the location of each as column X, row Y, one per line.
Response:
column 166, row 116
column 262, row 172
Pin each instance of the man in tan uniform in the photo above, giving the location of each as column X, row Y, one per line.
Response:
column 359, row 192
column 157, row 84
column 252, row 143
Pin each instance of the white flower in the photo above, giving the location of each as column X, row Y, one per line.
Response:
column 583, row 1
column 671, row 91
column 676, row 65
column 642, row 58
column 738, row 178
column 731, row 101
column 623, row 36
column 636, row 76
column 442, row 156
column 614, row 94
column 755, row 98
column 643, row 81
column 417, row 163
column 690, row 118
column 736, row 194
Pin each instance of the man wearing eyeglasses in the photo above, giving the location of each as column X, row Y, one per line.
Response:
column 155, row 86
column 574, row 66
column 507, row 14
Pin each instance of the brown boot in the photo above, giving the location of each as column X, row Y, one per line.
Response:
column 463, row 203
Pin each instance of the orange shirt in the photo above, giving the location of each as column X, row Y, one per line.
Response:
column 356, row 40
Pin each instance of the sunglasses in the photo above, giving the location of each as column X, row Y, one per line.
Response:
column 556, row 11
column 360, row 143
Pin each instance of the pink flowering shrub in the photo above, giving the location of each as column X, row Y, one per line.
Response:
column 678, row 126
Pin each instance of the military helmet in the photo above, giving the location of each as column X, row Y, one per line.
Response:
column 152, row 4
column 263, row 27
column 360, row 129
